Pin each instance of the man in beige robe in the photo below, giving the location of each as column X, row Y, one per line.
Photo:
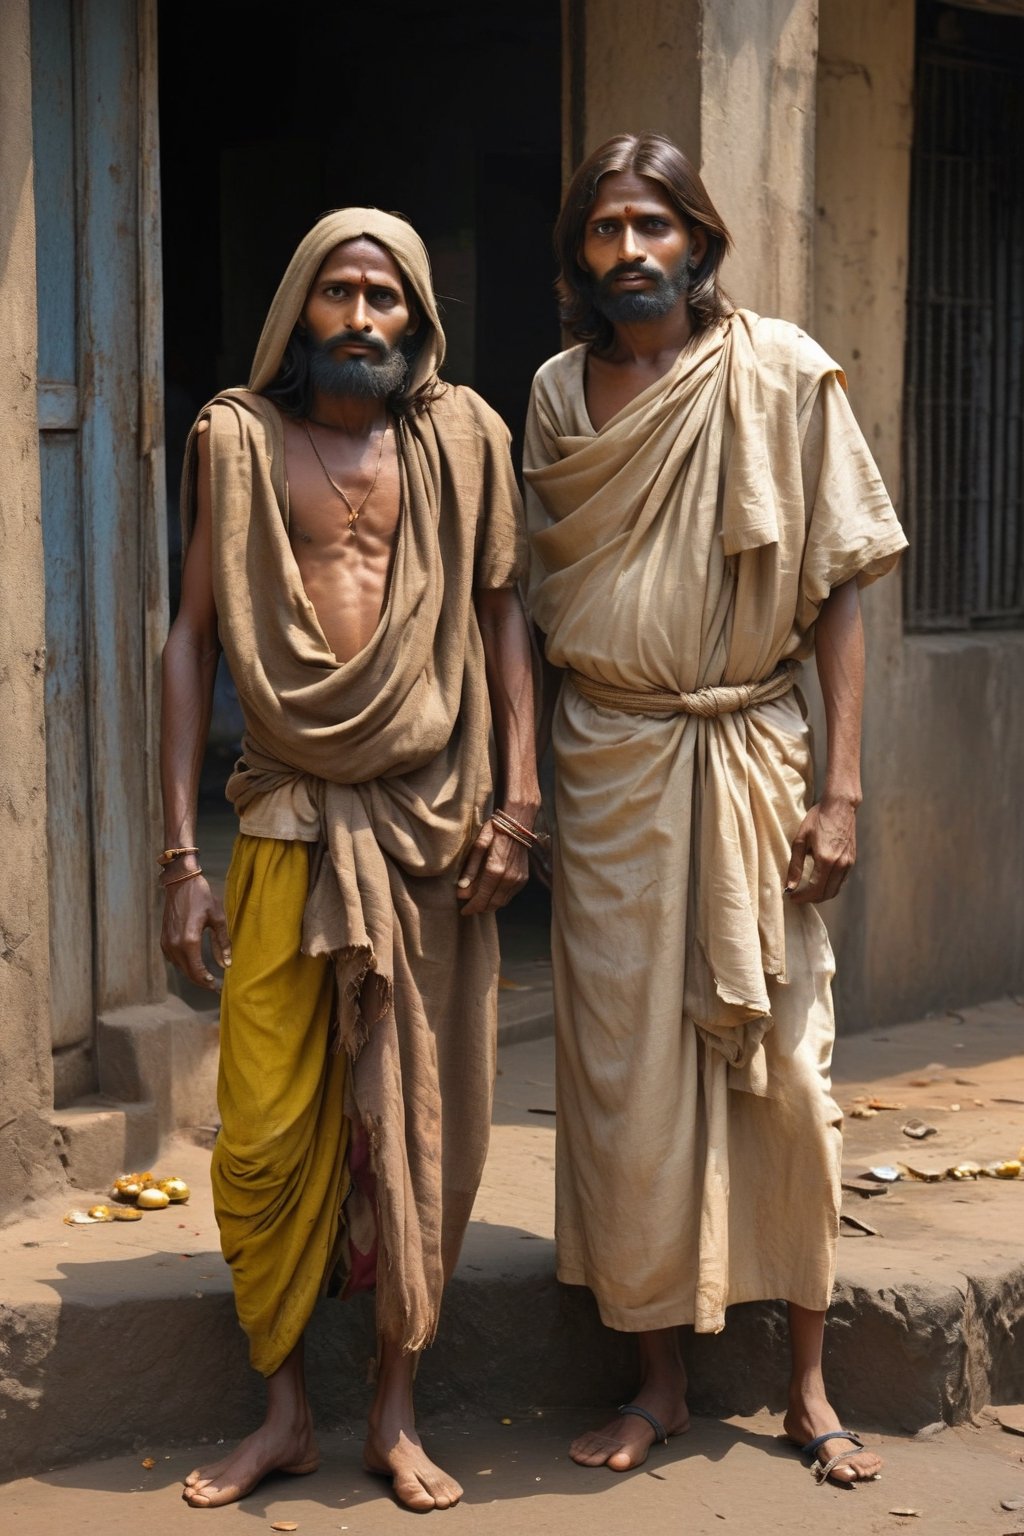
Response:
column 703, row 510
column 352, row 531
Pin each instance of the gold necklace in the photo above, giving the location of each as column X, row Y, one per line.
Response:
column 353, row 512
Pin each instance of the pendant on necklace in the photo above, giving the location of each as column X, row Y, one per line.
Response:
column 353, row 511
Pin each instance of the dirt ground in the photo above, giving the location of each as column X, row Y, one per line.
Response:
column 737, row 1475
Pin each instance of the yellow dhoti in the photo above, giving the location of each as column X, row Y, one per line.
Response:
column 279, row 1166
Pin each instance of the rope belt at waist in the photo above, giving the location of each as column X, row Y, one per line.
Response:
column 706, row 702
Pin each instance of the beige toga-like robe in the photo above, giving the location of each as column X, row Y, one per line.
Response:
column 690, row 543
column 381, row 764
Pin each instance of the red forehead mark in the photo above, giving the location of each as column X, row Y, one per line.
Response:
column 363, row 279
column 629, row 210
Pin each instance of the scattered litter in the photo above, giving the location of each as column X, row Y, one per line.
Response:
column 80, row 1219
column 152, row 1200
column 151, row 1191
column 918, row 1130
column 485, row 1472
column 506, row 1421
column 966, row 1170
column 884, row 1104
column 1011, row 1417
column 540, row 1111
column 285, row 1525
column 905, row 1513
column 965, row 1082
column 885, row 1173
column 930, row 1174
column 148, row 1463
column 1010, row 1169
column 862, row 1112
column 931, row 1430
column 954, row 1107
column 1015, row 1503
column 858, row 1225
column 865, row 1187
column 1008, row 1101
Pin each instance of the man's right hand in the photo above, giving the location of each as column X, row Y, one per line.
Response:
column 190, row 907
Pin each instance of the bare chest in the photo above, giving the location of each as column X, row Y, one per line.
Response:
column 610, row 387
column 344, row 504
column 341, row 491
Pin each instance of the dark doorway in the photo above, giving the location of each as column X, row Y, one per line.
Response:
column 445, row 110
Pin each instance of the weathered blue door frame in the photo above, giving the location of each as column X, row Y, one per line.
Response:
column 101, row 450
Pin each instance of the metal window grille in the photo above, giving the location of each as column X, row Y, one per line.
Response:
column 964, row 413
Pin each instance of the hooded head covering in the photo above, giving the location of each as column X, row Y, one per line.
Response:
column 403, row 244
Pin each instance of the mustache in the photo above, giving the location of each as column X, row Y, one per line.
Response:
column 357, row 338
column 626, row 268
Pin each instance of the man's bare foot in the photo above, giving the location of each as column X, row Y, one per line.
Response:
column 624, row 1441
column 270, row 1449
column 417, row 1482
column 809, row 1417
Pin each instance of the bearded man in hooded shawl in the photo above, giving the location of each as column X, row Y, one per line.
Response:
column 703, row 510
column 353, row 538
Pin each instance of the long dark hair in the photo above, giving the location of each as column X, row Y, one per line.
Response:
column 654, row 156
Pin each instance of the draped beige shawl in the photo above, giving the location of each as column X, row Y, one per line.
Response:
column 690, row 544
column 676, row 549
column 395, row 741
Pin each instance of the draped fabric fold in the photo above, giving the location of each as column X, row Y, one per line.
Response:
column 388, row 754
column 688, row 545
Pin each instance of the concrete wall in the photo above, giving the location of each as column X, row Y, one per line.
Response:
column 802, row 128
column 618, row 81
column 757, row 97
column 935, row 916
column 28, row 1161
column 732, row 82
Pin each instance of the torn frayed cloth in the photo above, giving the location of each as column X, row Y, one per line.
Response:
column 381, row 761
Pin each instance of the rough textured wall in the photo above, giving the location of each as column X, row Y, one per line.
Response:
column 634, row 70
column 935, row 916
column 733, row 83
column 757, row 146
column 28, row 1161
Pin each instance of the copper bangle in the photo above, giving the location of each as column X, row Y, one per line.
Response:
column 170, row 854
column 178, row 879
column 512, row 828
column 515, row 829
column 506, row 816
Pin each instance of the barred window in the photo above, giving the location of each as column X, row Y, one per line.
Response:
column 964, row 412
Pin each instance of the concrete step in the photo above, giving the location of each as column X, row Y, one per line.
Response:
column 120, row 1335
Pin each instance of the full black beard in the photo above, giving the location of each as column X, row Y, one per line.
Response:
column 358, row 378
column 630, row 308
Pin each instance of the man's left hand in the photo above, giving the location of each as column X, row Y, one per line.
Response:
column 829, row 834
column 495, row 869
